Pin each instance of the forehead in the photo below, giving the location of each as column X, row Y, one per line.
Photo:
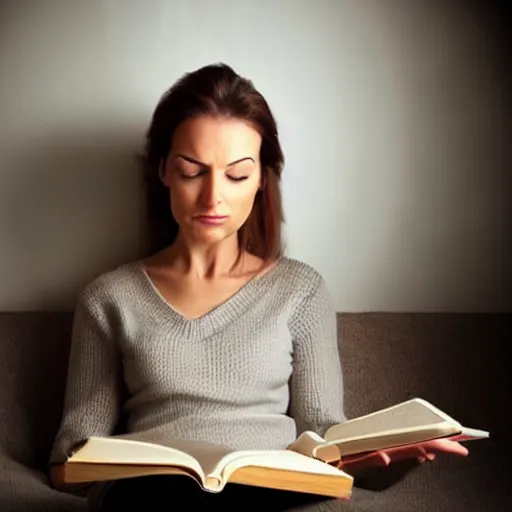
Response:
column 216, row 140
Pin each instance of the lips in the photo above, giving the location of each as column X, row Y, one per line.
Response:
column 211, row 220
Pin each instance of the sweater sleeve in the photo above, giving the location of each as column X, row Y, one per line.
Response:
column 316, row 386
column 92, row 401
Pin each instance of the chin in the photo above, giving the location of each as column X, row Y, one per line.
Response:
column 209, row 236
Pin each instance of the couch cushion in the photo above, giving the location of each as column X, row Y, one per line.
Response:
column 456, row 361
column 459, row 363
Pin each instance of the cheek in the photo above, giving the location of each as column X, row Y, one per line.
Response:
column 181, row 200
column 243, row 201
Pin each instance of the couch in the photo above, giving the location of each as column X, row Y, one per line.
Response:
column 457, row 361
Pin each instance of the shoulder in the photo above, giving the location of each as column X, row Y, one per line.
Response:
column 310, row 299
column 302, row 274
column 111, row 285
column 301, row 280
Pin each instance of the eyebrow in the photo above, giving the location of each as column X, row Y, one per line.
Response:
column 194, row 161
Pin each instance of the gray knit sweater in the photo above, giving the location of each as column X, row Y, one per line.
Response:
column 250, row 374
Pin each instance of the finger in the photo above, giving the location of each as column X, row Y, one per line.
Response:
column 446, row 446
column 422, row 457
column 426, row 455
column 384, row 458
column 406, row 452
column 371, row 460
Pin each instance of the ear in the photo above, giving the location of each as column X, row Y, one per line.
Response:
column 162, row 174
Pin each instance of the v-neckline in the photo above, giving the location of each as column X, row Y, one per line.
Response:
column 220, row 315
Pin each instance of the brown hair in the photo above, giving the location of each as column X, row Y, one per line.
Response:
column 216, row 90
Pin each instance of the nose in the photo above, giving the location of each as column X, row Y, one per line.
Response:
column 211, row 191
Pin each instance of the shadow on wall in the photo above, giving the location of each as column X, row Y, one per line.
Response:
column 72, row 206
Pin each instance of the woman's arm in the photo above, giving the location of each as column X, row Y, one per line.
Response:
column 316, row 385
column 93, row 395
column 316, row 394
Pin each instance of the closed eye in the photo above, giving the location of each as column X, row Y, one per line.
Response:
column 187, row 173
column 191, row 176
column 238, row 178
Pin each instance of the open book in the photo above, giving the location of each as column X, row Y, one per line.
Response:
column 406, row 423
column 212, row 466
column 305, row 466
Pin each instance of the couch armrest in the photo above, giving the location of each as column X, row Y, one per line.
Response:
column 27, row 489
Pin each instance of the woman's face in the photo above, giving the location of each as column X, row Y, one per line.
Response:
column 213, row 174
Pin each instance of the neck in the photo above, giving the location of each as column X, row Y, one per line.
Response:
column 205, row 261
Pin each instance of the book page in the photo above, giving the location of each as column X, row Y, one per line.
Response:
column 407, row 416
column 218, row 462
column 286, row 460
column 104, row 450
column 206, row 454
column 150, row 448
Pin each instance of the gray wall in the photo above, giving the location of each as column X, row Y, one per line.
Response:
column 392, row 116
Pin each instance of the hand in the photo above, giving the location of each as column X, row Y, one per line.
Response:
column 419, row 451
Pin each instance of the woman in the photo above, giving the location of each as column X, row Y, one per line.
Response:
column 216, row 336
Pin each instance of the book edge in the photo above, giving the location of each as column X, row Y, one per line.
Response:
column 446, row 420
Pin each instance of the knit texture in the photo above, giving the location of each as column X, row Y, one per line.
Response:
column 251, row 374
